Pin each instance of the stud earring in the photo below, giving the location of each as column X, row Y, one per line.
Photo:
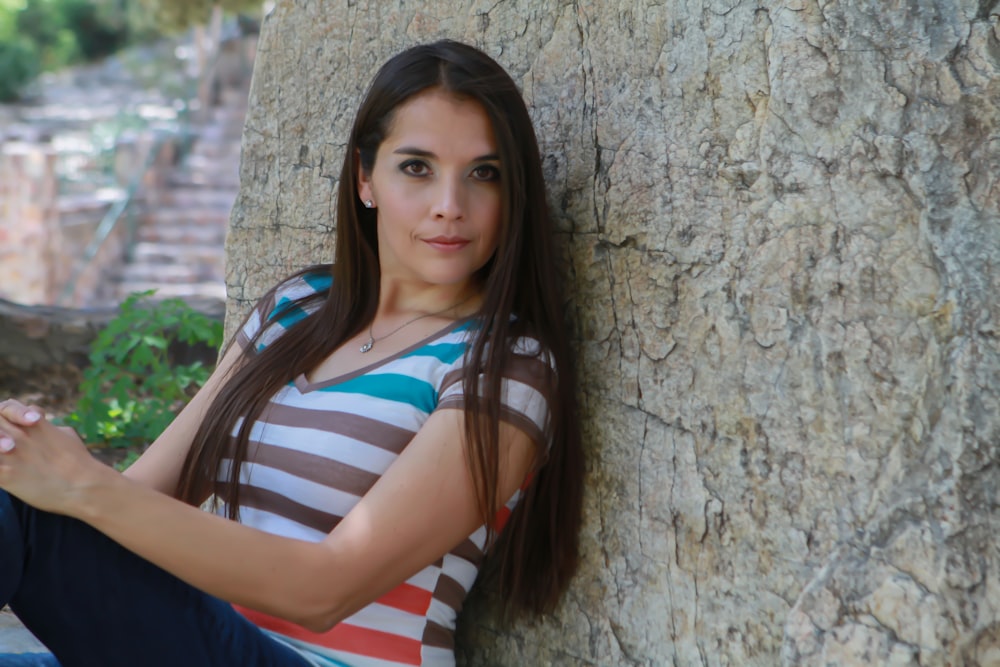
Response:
column 369, row 203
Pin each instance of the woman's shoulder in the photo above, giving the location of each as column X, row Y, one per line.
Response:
column 286, row 303
column 315, row 280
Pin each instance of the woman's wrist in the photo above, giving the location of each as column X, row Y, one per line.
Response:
column 99, row 493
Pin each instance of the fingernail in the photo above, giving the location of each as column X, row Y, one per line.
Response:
column 32, row 416
column 6, row 444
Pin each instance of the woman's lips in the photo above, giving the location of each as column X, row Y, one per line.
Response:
column 447, row 243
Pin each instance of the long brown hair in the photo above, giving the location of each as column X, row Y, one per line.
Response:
column 538, row 550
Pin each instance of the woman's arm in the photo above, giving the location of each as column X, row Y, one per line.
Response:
column 419, row 510
column 160, row 465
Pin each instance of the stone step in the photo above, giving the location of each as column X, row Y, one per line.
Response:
column 171, row 274
column 200, row 197
column 172, row 253
column 211, row 164
column 210, row 235
column 216, row 152
column 173, row 216
column 187, row 291
column 227, row 123
column 235, row 97
column 85, row 207
column 224, row 180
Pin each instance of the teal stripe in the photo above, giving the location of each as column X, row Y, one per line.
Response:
column 286, row 313
column 320, row 282
column 449, row 353
column 391, row 387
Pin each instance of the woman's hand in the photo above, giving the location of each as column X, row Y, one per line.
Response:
column 18, row 414
column 44, row 465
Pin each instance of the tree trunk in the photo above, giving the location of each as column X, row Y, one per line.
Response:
column 781, row 224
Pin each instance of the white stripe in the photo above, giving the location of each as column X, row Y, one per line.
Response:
column 523, row 398
column 422, row 367
column 311, row 494
column 518, row 396
column 384, row 618
column 432, row 656
column 426, row 579
column 460, row 570
column 253, row 323
column 279, row 525
column 395, row 413
column 441, row 614
column 355, row 660
column 325, row 444
column 530, row 347
column 479, row 537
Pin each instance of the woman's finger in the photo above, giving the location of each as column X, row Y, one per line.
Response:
column 19, row 413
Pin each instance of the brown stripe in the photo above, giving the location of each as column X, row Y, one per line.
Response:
column 531, row 371
column 467, row 550
column 269, row 501
column 364, row 429
column 314, row 468
column 507, row 414
column 450, row 378
column 525, row 424
column 438, row 636
column 450, row 592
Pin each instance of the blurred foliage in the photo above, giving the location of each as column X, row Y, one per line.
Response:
column 18, row 66
column 50, row 34
column 68, row 31
column 177, row 15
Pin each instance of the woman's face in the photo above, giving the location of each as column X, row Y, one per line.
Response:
column 436, row 188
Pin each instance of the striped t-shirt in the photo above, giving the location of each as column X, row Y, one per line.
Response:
column 325, row 444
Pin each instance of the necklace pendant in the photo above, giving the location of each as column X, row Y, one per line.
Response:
column 367, row 346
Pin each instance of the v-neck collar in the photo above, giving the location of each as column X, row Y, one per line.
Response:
column 305, row 386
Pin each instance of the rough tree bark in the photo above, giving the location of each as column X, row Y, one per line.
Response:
column 782, row 232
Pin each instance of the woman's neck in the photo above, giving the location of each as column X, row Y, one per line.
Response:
column 398, row 299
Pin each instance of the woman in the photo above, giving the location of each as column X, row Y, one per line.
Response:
column 382, row 423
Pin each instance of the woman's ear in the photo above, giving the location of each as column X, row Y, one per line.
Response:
column 365, row 193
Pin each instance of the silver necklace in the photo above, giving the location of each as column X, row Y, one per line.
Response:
column 367, row 347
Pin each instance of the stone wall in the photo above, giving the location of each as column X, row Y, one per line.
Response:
column 45, row 234
column 781, row 224
column 30, row 248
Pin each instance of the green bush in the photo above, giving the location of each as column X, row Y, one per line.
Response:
column 68, row 31
column 97, row 33
column 18, row 66
column 131, row 391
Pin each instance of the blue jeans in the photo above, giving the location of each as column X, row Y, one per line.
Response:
column 93, row 602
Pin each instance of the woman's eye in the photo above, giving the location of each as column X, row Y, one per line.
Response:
column 486, row 172
column 414, row 168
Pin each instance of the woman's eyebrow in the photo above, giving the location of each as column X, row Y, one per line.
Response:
column 420, row 152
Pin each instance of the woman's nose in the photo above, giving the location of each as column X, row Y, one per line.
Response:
column 449, row 201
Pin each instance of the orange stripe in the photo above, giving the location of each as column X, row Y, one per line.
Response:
column 500, row 518
column 344, row 637
column 409, row 598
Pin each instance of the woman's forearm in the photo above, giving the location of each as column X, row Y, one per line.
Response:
column 280, row 576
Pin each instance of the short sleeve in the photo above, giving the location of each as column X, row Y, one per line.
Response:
column 280, row 309
column 525, row 391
